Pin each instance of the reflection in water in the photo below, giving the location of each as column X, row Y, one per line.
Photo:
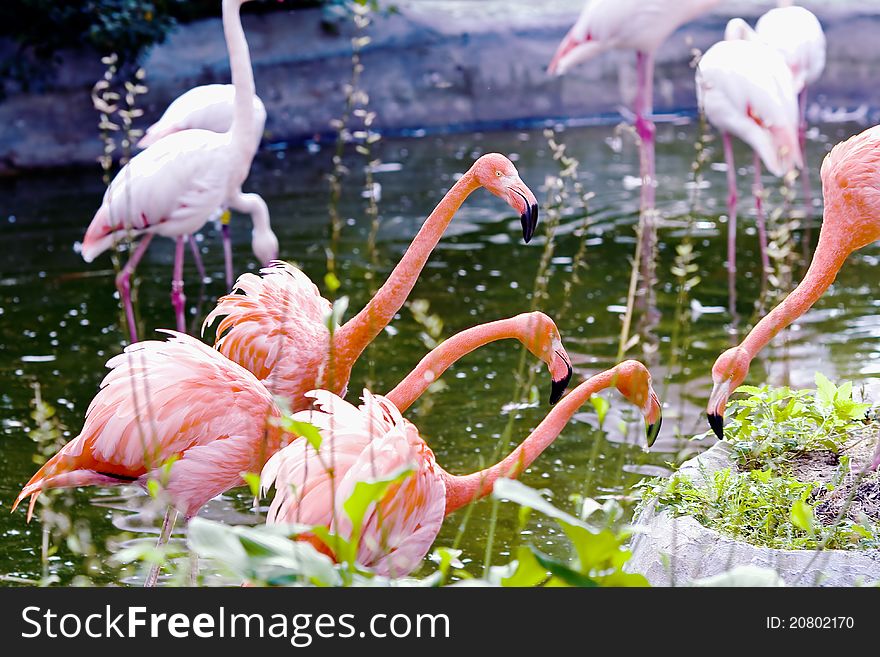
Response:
column 61, row 322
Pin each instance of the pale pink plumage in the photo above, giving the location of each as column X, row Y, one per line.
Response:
column 206, row 107
column 362, row 444
column 177, row 402
column 174, row 187
column 275, row 325
column 745, row 89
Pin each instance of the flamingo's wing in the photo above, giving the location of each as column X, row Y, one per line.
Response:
column 275, row 325
column 745, row 88
column 170, row 189
column 159, row 402
column 398, row 531
column 206, row 107
column 304, row 488
column 797, row 34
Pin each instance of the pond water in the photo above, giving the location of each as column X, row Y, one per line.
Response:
column 60, row 320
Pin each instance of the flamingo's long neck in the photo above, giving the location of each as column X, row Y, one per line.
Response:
column 242, row 78
column 828, row 259
column 352, row 338
column 462, row 490
column 440, row 358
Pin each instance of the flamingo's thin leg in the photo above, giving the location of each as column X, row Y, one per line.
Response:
column 197, row 258
column 178, row 298
column 760, row 220
column 227, row 248
column 802, row 141
column 644, row 107
column 731, row 221
column 164, row 535
column 123, row 283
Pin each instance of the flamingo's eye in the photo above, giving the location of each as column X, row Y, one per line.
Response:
column 497, row 173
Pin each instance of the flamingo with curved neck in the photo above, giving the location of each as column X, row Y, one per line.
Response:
column 851, row 189
column 535, row 330
column 374, row 441
column 275, row 325
column 181, row 413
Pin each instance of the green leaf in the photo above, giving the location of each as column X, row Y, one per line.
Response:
column 601, row 405
column 306, row 430
column 529, row 572
column 743, row 576
column 252, row 479
column 364, row 494
column 802, row 516
column 825, row 389
column 562, row 571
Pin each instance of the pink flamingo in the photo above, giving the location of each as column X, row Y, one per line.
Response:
column 797, row 35
column 374, row 441
column 207, row 107
column 640, row 25
column 744, row 88
column 851, row 188
column 181, row 413
column 275, row 325
column 177, row 184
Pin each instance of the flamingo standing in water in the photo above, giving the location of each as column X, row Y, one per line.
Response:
column 275, row 325
column 851, row 189
column 183, row 414
column 797, row 34
column 375, row 441
column 207, row 107
column 640, row 25
column 745, row 89
column 177, row 184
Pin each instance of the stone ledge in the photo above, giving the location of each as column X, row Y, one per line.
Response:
column 675, row 551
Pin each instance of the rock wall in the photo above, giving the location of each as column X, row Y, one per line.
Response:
column 432, row 64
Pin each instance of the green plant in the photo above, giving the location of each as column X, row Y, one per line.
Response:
column 761, row 507
column 761, row 501
column 271, row 555
column 769, row 424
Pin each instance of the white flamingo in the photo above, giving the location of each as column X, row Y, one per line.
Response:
column 207, row 107
column 176, row 185
column 640, row 25
column 745, row 89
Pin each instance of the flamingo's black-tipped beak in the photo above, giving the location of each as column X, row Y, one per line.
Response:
column 529, row 220
column 529, row 216
column 557, row 388
column 653, row 430
column 717, row 423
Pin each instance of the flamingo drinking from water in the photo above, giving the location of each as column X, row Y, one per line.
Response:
column 640, row 25
column 177, row 184
column 374, row 441
column 275, row 325
column 745, row 89
column 182, row 414
column 851, row 189
column 798, row 36
column 208, row 107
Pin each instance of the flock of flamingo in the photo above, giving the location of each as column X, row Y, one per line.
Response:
column 197, row 418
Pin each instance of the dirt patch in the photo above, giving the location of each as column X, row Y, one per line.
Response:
column 855, row 491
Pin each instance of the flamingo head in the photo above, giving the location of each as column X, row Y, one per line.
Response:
column 777, row 144
column 577, row 46
column 633, row 381
column 738, row 30
column 544, row 342
column 728, row 373
column 265, row 245
column 497, row 174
